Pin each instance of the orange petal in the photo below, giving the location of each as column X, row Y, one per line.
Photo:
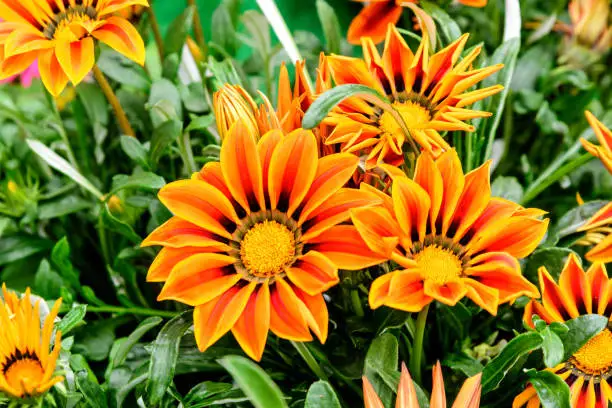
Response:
column 201, row 204
column 429, row 178
column 215, row 318
column 241, row 168
column 112, row 6
column 379, row 291
column 199, row 279
column 265, row 150
column 407, row 292
column 166, row 259
column 212, row 174
column 552, row 296
column 120, row 35
column 518, row 236
column 16, row 64
column 292, row 169
column 474, row 199
column 316, row 313
column 333, row 172
column 438, row 396
column 449, row 293
column 251, row 329
column 287, row 318
column 601, row 252
column 484, row 296
column 397, row 58
column 178, row 233
column 76, row 58
column 344, row 246
column 600, row 288
column 373, row 20
column 24, row 40
column 411, row 206
column 51, row 72
column 453, row 179
column 601, row 217
column 474, row 3
column 576, row 293
column 313, row 272
column 370, row 398
column 469, row 394
column 378, row 229
column 406, row 393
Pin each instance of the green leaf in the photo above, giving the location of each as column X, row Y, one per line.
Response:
column 554, row 259
column 209, row 393
column 135, row 150
column 200, row 122
column 114, row 224
column 87, row 382
column 259, row 34
column 381, row 362
column 254, row 382
column 60, row 257
column 495, row 371
column 125, row 347
column 552, row 346
column 164, row 353
column 16, row 247
column 464, row 363
column 95, row 340
column 163, row 136
column 58, row 163
column 581, row 330
column 164, row 90
column 321, row 395
column 331, row 27
column 552, row 391
column 72, row 319
column 506, row 54
column 223, row 30
column 447, row 27
column 48, row 283
column 145, row 181
column 178, row 31
column 574, row 219
column 329, row 99
column 64, row 206
column 508, row 188
column 122, row 69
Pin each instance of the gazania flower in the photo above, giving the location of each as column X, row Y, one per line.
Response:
column 27, row 365
column 60, row 34
column 26, row 77
column 468, row 397
column 256, row 238
column 604, row 135
column 373, row 20
column 598, row 233
column 586, row 372
column 428, row 92
column 449, row 237
column 233, row 103
column 133, row 13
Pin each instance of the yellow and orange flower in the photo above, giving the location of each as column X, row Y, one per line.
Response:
column 598, row 233
column 61, row 33
column 449, row 237
column 27, row 365
column 256, row 238
column 373, row 20
column 468, row 397
column 604, row 135
column 590, row 25
column 430, row 93
column 577, row 293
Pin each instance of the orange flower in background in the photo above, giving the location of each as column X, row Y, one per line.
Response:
column 430, row 93
column 590, row 24
column 373, row 20
column 604, row 135
column 255, row 239
column 598, row 232
column 468, row 397
column 577, row 293
column 27, row 365
column 61, row 35
column 449, row 237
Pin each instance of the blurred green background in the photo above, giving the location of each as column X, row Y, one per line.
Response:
column 299, row 14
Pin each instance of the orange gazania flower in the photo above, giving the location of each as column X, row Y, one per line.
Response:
column 255, row 239
column 604, row 135
column 590, row 23
column 61, row 33
column 468, row 397
column 598, row 232
column 577, row 293
column 450, row 238
column 27, row 365
column 372, row 21
column 429, row 93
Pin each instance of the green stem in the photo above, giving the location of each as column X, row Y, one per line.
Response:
column 122, row 119
column 159, row 40
column 131, row 310
column 62, row 131
column 356, row 303
column 550, row 177
column 103, row 241
column 184, row 143
column 309, row 359
column 417, row 347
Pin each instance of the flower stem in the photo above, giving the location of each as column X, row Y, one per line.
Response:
column 198, row 32
column 122, row 119
column 184, row 143
column 131, row 310
column 550, row 177
column 309, row 359
column 159, row 41
column 356, row 303
column 417, row 347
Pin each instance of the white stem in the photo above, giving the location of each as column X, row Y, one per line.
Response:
column 512, row 23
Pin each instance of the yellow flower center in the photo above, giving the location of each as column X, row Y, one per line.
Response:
column 24, row 374
column 68, row 25
column 595, row 357
column 438, row 265
column 415, row 115
column 267, row 248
